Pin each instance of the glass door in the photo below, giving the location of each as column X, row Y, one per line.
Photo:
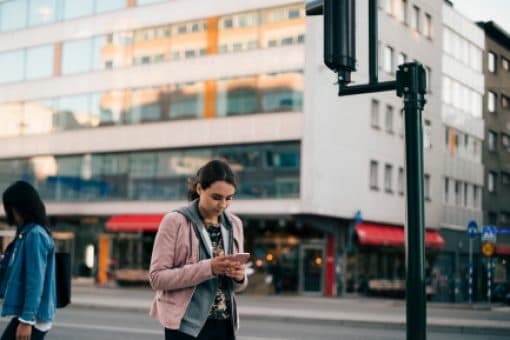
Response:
column 311, row 269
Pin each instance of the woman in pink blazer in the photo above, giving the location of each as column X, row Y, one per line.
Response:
column 192, row 272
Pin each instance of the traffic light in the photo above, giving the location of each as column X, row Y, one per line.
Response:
column 340, row 37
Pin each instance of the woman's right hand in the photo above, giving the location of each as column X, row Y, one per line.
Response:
column 220, row 265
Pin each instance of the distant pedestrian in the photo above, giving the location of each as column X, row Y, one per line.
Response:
column 190, row 270
column 28, row 266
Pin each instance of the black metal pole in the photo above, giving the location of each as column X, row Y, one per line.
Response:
column 411, row 84
column 372, row 42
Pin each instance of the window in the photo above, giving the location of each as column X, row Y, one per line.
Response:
column 11, row 66
column 77, row 56
column 401, row 11
column 505, row 142
column 428, row 77
column 504, row 217
column 39, row 63
column 505, row 64
column 447, row 90
column 505, row 178
column 446, row 190
column 400, row 180
column 426, row 184
column 505, row 102
column 491, row 181
column 493, row 218
column 388, row 59
column 491, row 101
column 374, row 175
column 427, row 134
column 492, row 140
column 41, row 12
column 374, row 115
column 388, row 175
column 458, row 193
column 110, row 5
column 401, row 58
column 77, row 8
column 415, row 18
column 476, row 197
column 427, row 29
column 491, row 62
column 13, row 15
column 389, row 119
column 146, row 2
column 466, row 186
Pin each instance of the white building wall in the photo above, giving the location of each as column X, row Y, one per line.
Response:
column 339, row 142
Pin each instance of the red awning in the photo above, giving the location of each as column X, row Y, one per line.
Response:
column 134, row 223
column 502, row 250
column 391, row 236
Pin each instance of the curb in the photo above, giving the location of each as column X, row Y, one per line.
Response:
column 374, row 324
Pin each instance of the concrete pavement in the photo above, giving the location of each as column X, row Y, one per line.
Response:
column 351, row 311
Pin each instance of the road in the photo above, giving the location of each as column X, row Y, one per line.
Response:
column 97, row 324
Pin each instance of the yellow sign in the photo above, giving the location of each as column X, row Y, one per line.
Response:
column 488, row 248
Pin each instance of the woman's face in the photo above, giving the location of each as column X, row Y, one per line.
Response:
column 216, row 198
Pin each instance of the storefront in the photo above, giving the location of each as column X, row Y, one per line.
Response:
column 377, row 265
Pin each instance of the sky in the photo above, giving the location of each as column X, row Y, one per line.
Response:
column 486, row 10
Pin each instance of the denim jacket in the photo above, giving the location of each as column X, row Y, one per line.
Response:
column 29, row 285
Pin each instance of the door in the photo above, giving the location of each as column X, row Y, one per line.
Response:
column 311, row 269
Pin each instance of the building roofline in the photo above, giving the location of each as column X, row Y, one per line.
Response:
column 495, row 32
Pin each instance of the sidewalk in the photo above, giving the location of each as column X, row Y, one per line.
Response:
column 351, row 311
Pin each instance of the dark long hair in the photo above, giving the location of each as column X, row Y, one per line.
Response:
column 215, row 170
column 25, row 199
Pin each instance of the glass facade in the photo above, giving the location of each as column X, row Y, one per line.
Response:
column 265, row 28
column 276, row 92
column 264, row 171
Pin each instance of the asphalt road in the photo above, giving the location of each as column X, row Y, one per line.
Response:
column 82, row 324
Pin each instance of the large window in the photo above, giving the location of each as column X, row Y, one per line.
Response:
column 77, row 8
column 13, row 15
column 77, row 56
column 264, row 171
column 39, row 62
column 42, row 12
column 11, row 66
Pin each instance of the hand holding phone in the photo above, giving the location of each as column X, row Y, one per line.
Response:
column 240, row 257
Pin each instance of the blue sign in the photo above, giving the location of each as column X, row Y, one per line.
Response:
column 489, row 234
column 358, row 218
column 472, row 229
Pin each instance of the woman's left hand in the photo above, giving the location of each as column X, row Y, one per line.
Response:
column 24, row 331
column 236, row 271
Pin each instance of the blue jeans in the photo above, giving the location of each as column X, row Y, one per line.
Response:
column 10, row 331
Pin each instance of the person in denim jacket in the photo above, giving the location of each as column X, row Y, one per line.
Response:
column 28, row 282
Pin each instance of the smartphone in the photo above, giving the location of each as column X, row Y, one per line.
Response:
column 241, row 257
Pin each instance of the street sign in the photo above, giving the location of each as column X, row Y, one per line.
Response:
column 488, row 249
column 489, row 234
column 472, row 229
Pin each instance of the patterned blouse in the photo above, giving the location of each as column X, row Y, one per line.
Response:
column 221, row 306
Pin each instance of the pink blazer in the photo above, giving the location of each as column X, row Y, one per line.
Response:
column 175, row 267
